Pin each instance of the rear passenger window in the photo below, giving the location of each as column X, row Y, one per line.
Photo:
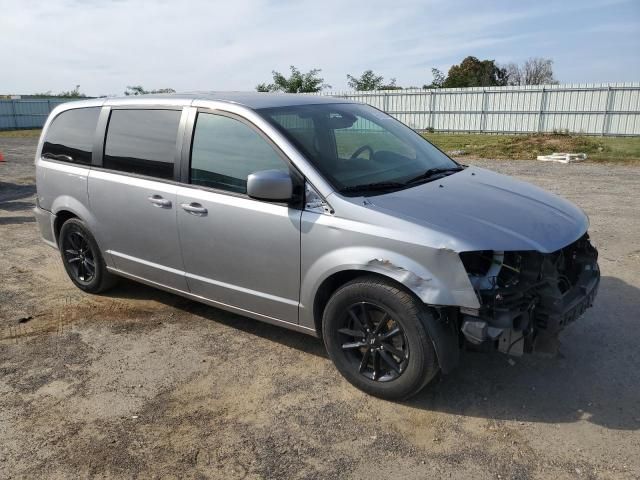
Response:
column 142, row 142
column 70, row 135
column 225, row 151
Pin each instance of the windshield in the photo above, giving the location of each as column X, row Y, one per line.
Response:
column 356, row 145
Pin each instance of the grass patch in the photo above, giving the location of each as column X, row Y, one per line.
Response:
column 528, row 147
column 20, row 133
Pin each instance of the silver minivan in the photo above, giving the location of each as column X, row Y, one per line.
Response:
column 321, row 215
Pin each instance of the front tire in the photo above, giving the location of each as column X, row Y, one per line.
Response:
column 82, row 258
column 375, row 334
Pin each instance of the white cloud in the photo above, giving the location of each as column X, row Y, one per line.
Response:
column 224, row 45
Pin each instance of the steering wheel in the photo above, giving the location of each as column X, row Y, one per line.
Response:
column 360, row 150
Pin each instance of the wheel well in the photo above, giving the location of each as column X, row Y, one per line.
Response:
column 61, row 217
column 444, row 334
column 333, row 283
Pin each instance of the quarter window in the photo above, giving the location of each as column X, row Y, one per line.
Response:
column 142, row 142
column 70, row 135
column 225, row 151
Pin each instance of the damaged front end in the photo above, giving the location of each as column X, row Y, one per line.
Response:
column 527, row 297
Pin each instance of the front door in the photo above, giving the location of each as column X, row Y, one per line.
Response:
column 236, row 250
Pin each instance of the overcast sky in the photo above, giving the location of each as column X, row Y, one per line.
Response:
column 234, row 45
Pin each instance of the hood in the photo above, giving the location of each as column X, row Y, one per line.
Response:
column 484, row 210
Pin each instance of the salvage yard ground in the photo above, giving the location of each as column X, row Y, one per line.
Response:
column 140, row 383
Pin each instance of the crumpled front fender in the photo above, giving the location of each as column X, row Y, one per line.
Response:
column 443, row 282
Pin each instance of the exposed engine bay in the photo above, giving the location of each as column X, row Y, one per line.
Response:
column 527, row 297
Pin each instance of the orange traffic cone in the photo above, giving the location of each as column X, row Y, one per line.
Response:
column 1, row 157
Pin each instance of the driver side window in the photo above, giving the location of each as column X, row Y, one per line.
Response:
column 225, row 151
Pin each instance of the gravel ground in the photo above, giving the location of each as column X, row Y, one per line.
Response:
column 139, row 383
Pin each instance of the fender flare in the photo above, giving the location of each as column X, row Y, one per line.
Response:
column 428, row 288
column 70, row 204
column 453, row 289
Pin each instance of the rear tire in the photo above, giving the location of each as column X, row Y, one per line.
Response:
column 82, row 258
column 375, row 334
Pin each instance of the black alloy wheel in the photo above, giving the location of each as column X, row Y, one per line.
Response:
column 78, row 255
column 374, row 341
column 82, row 258
column 375, row 333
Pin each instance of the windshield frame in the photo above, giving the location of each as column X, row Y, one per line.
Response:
column 412, row 138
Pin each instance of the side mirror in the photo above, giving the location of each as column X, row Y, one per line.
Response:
column 273, row 185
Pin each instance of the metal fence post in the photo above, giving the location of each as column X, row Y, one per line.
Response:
column 543, row 98
column 14, row 115
column 483, row 114
column 605, row 116
column 430, row 122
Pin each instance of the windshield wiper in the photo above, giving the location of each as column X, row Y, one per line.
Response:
column 369, row 187
column 432, row 172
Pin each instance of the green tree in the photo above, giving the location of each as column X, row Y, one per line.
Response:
column 297, row 82
column 75, row 93
column 475, row 73
column 367, row 81
column 534, row 71
column 438, row 79
column 370, row 81
column 139, row 90
column 391, row 85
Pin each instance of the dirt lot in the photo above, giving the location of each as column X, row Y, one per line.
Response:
column 140, row 383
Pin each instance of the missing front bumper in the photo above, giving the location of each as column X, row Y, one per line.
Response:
column 525, row 313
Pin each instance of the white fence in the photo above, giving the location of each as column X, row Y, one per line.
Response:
column 592, row 109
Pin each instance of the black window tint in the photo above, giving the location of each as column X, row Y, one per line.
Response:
column 70, row 135
column 225, row 151
column 142, row 141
